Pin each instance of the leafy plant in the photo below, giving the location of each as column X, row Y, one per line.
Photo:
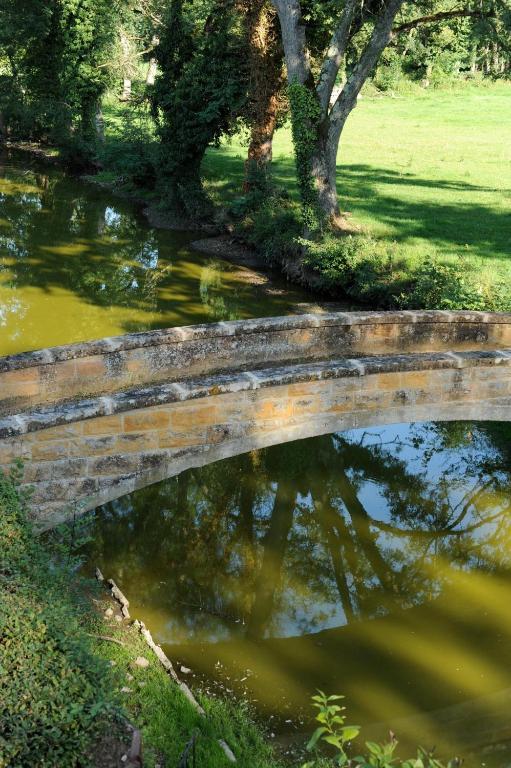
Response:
column 334, row 732
column 332, row 728
column 444, row 286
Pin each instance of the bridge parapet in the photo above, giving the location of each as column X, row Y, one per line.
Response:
column 115, row 364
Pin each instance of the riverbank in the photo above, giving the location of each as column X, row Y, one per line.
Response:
column 422, row 176
column 77, row 679
column 168, row 721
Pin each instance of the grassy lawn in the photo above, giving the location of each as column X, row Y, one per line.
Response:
column 430, row 171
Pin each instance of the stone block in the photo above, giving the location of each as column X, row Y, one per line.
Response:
column 90, row 368
column 193, row 415
column 147, row 419
column 105, row 425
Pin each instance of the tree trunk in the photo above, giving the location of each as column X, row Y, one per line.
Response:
column 267, row 81
column 153, row 63
column 126, row 66
column 324, row 172
column 331, row 123
column 151, row 71
column 126, row 89
column 100, row 124
column 260, row 150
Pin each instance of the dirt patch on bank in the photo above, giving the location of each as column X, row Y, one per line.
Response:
column 254, row 270
column 227, row 248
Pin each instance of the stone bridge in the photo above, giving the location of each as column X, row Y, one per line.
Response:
column 97, row 420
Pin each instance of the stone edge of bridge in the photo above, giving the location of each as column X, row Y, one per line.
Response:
column 242, row 381
column 235, row 328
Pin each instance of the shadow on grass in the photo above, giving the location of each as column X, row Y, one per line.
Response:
column 404, row 203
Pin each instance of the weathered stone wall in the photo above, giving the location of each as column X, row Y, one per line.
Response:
column 84, row 453
column 115, row 364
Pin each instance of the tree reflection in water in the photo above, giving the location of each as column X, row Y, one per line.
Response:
column 375, row 563
column 68, row 250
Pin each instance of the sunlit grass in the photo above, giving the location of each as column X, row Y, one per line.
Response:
column 430, row 171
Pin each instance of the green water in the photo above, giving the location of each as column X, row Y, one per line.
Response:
column 77, row 263
column 374, row 563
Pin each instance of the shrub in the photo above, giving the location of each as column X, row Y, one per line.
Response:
column 274, row 229
column 52, row 690
column 358, row 265
column 444, row 286
column 389, row 75
column 333, row 731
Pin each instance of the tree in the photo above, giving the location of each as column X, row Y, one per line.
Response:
column 265, row 86
column 57, row 56
column 198, row 97
column 317, row 122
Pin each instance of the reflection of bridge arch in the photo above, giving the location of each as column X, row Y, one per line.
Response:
column 97, row 420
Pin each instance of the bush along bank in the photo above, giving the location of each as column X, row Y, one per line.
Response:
column 357, row 266
column 69, row 681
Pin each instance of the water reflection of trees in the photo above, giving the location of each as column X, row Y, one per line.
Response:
column 58, row 233
column 48, row 217
column 317, row 533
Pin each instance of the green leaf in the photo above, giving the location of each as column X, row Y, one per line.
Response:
column 318, row 733
column 334, row 739
column 350, row 732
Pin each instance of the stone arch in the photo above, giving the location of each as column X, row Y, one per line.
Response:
column 193, row 408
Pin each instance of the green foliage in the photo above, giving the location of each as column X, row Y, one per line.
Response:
column 452, row 286
column 334, row 732
column 332, row 729
column 365, row 269
column 273, row 229
column 389, row 75
column 305, row 116
column 132, row 154
column 56, row 68
column 360, row 265
column 197, row 99
column 52, row 690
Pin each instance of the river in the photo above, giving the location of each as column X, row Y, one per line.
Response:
column 374, row 564
column 77, row 263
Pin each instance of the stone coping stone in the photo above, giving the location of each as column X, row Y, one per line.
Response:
column 209, row 386
column 242, row 327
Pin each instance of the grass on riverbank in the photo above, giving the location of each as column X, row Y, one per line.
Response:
column 430, row 171
column 54, row 694
column 65, row 692
column 167, row 719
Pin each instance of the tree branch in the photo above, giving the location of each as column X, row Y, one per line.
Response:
column 335, row 55
column 440, row 16
column 293, row 41
column 381, row 36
